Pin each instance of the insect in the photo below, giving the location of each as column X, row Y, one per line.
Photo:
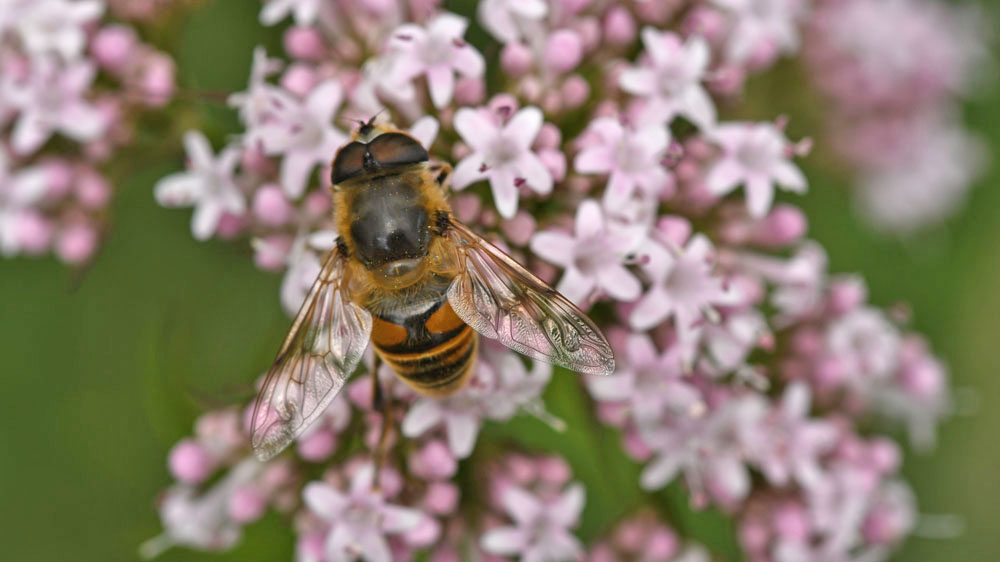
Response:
column 417, row 284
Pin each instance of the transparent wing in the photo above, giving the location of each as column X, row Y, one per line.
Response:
column 502, row 300
column 322, row 349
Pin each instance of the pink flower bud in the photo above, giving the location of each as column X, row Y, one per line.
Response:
column 254, row 160
column 156, row 79
column 305, row 43
column 246, row 505
column 589, row 30
column 554, row 470
column 846, row 294
column 467, row 207
column 516, row 59
column 707, row 22
column 424, row 534
column 470, row 91
column 792, row 523
column 575, row 91
column 311, row 546
column 548, row 137
column 299, row 79
column 271, row 207
column 391, row 481
column 924, row 379
column 189, row 462
column 563, row 51
column 883, row 526
column 230, row 226
column 92, row 190
column 318, row 445
column 318, row 204
column 635, row 446
column 519, row 229
column 571, row 7
column 113, row 45
column 673, row 229
column 34, row 232
column 503, row 106
column 830, row 372
column 754, row 536
column 434, row 461
column 728, row 80
column 783, row 226
column 631, row 534
column 441, row 498
column 661, row 545
column 619, row 26
column 555, row 163
column 271, row 253
column 77, row 243
column 763, row 54
column 59, row 178
column 885, row 455
column 522, row 469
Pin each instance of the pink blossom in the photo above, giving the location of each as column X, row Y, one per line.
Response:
column 787, row 444
column 541, row 528
column 632, row 158
column 302, row 132
column 506, row 19
column 437, row 51
column 304, row 11
column 18, row 193
column 670, row 80
column 755, row 155
column 651, row 383
column 865, row 343
column 360, row 518
column 50, row 100
column 761, row 24
column 209, row 185
column 683, row 287
column 503, row 155
column 53, row 26
column 592, row 257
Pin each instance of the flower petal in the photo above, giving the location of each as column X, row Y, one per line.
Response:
column 523, row 127
column 554, row 247
column 420, row 417
column 324, row 500
column 477, row 131
column 441, row 82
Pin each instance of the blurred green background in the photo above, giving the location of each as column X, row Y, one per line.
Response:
column 104, row 371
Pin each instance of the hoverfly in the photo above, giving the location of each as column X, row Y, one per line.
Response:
column 419, row 285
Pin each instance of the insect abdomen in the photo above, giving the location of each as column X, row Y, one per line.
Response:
column 433, row 352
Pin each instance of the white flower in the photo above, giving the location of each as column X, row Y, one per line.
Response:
column 51, row 100
column 52, row 26
column 755, row 155
column 305, row 11
column 671, row 80
column 437, row 51
column 631, row 157
column 18, row 192
column 505, row 19
column 503, row 155
column 209, row 185
column 541, row 530
column 359, row 519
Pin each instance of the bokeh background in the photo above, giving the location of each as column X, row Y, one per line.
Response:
column 105, row 369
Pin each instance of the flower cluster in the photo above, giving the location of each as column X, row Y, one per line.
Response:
column 747, row 371
column 71, row 86
column 894, row 113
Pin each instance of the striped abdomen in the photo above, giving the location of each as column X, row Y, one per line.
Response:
column 426, row 344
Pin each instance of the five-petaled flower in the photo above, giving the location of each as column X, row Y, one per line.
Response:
column 209, row 185
column 541, row 528
column 631, row 157
column 502, row 154
column 359, row 518
column 757, row 156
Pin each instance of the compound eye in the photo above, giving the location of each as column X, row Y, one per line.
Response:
column 397, row 149
column 350, row 161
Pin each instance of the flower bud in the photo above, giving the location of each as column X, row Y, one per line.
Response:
column 563, row 51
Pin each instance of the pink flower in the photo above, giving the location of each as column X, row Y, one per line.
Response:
column 305, row 11
column 649, row 382
column 50, row 100
column 18, row 193
column 53, row 26
column 541, row 528
column 437, row 51
column 505, row 19
column 302, row 132
column 499, row 387
column 865, row 344
column 683, row 287
column 209, row 185
column 503, row 155
column 787, row 444
column 592, row 257
column 359, row 518
column 670, row 81
column 755, row 155
column 761, row 24
column 630, row 156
